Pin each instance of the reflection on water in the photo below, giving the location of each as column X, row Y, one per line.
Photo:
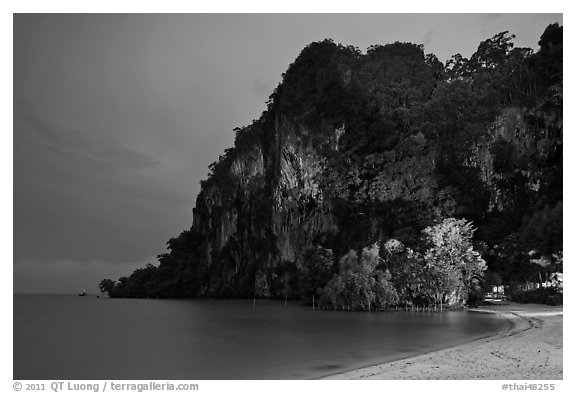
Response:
column 71, row 337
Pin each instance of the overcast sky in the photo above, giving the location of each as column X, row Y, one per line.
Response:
column 117, row 117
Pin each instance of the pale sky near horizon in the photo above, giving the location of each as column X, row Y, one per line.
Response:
column 117, row 117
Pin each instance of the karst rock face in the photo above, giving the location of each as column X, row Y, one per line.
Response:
column 523, row 143
column 270, row 210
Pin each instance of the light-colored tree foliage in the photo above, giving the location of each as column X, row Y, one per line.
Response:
column 445, row 270
column 452, row 264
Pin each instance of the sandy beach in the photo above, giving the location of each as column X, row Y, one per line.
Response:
column 531, row 348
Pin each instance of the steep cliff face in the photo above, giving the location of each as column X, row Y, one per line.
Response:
column 299, row 210
column 517, row 144
column 507, row 139
column 268, row 210
column 227, row 217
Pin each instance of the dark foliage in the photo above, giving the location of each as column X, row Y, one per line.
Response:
column 550, row 296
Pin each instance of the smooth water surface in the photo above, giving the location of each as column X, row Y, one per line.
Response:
column 72, row 337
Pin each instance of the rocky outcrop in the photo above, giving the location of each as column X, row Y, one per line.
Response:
column 513, row 142
column 266, row 209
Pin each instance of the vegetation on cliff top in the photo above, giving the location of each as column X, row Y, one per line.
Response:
column 410, row 151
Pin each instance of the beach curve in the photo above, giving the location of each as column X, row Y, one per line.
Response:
column 531, row 348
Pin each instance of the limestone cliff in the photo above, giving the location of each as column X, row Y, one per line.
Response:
column 267, row 211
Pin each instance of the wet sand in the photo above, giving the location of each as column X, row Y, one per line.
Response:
column 531, row 348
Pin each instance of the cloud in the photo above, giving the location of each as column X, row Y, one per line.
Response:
column 427, row 37
column 77, row 144
column 81, row 197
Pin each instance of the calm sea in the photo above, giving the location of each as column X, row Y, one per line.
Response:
column 72, row 337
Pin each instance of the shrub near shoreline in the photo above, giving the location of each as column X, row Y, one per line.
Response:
column 550, row 296
column 447, row 272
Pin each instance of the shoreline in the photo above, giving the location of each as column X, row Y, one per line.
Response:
column 530, row 348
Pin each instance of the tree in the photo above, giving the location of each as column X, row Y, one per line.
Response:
column 361, row 284
column 548, row 61
column 453, row 264
column 533, row 253
column 107, row 286
column 316, row 272
column 542, row 233
column 493, row 51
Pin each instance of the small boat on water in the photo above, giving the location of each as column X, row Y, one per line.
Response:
column 83, row 293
